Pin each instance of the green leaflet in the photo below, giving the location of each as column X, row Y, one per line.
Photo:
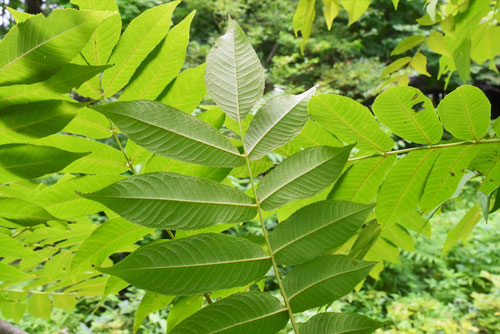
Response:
column 383, row 250
column 40, row 306
column 323, row 280
column 350, row 121
column 12, row 274
column 183, row 308
column 361, row 181
column 317, row 228
column 314, row 134
column 408, row 43
column 330, row 11
column 168, row 200
column 28, row 161
column 415, row 222
column 355, row 8
column 38, row 119
column 337, row 323
column 487, row 163
column 245, row 313
column 302, row 175
column 187, row 90
column 65, row 30
column 68, row 77
column 142, row 35
column 14, row 249
column 400, row 237
column 466, row 113
column 277, row 123
column 450, row 167
column 409, row 114
column 96, row 5
column 403, row 186
column 18, row 16
column 64, row 302
column 161, row 66
column 161, row 164
column 193, row 265
column 303, row 20
column 462, row 230
column 89, row 123
column 234, row 75
column 61, row 200
column 150, row 303
column 103, row 159
column 107, row 239
column 172, row 133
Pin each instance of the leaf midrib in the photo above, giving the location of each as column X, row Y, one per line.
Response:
column 176, row 200
column 193, row 265
column 251, row 320
column 327, row 278
column 178, row 133
column 337, row 220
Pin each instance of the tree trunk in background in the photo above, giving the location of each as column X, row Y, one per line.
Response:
column 6, row 328
column 34, row 6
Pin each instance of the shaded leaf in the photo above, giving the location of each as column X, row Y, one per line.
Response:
column 337, row 323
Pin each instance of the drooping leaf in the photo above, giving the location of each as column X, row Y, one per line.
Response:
column 172, row 133
column 445, row 176
column 161, row 66
column 245, row 313
column 150, row 303
column 394, row 66
column 361, row 182
column 466, row 112
column 323, row 280
column 403, row 186
column 28, row 161
column 107, row 239
column 277, row 123
column 462, row 230
column 409, row 114
column 419, row 64
column 168, row 200
column 234, row 75
column 302, row 175
column 330, row 11
column 64, row 30
column 317, row 228
column 187, row 90
column 303, row 20
column 337, row 323
column 193, row 265
column 142, row 35
column 355, row 8
column 350, row 121
column 183, row 308
column 23, row 213
column 38, row 119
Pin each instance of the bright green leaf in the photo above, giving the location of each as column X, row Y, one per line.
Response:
column 150, row 303
column 40, row 306
column 408, row 43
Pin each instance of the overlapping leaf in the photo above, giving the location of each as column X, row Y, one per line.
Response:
column 276, row 123
column 193, row 265
column 172, row 133
column 337, row 323
column 246, row 313
column 317, row 228
column 302, row 175
column 350, row 121
column 23, row 212
column 65, row 30
column 323, row 280
column 168, row 200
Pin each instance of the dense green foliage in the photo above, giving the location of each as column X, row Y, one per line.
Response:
column 157, row 175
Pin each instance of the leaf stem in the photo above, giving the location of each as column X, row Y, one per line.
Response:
column 268, row 243
column 428, row 147
column 117, row 140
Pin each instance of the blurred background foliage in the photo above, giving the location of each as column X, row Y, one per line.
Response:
column 425, row 293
